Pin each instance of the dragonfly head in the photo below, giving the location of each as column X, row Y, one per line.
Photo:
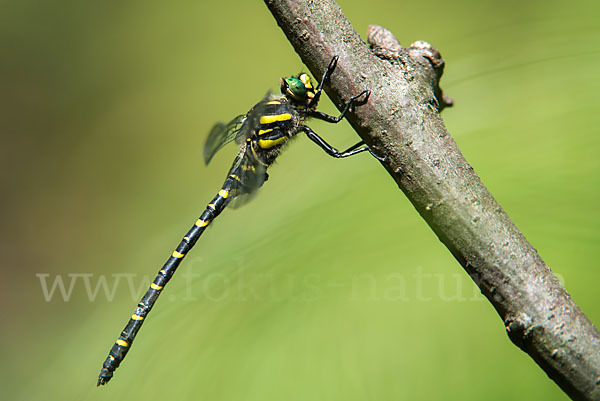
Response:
column 299, row 89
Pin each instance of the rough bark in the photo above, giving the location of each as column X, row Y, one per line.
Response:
column 402, row 122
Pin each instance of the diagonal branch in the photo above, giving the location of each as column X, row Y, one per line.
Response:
column 402, row 121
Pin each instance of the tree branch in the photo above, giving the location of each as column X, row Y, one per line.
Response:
column 402, row 122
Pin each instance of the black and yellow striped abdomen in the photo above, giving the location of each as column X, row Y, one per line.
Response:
column 123, row 343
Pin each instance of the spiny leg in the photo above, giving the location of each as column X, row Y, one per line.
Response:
column 352, row 102
column 123, row 344
column 330, row 150
column 326, row 75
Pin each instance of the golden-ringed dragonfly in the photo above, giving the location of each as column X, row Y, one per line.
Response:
column 261, row 133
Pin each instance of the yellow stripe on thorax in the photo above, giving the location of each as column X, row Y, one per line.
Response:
column 274, row 102
column 269, row 143
column 275, row 118
column 264, row 131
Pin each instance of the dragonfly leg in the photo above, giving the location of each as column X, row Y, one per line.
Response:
column 352, row 102
column 330, row 150
column 326, row 75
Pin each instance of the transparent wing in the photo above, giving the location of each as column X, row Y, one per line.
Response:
column 221, row 134
column 238, row 129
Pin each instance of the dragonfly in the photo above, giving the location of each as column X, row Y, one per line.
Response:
column 262, row 133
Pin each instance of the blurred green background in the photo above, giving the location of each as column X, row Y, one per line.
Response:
column 105, row 107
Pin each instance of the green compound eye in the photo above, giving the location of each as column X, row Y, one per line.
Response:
column 296, row 88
